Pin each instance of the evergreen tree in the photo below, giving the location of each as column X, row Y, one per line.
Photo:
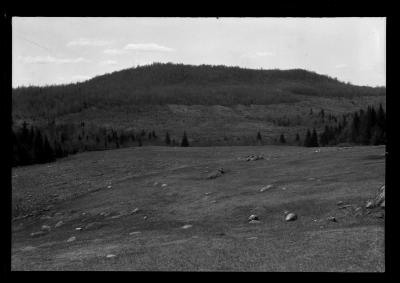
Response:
column 314, row 139
column 307, row 139
column 185, row 141
column 140, row 142
column 167, row 139
column 282, row 139
column 39, row 154
column 259, row 136
column 48, row 151
column 297, row 139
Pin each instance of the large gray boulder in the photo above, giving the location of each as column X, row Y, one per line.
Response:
column 217, row 173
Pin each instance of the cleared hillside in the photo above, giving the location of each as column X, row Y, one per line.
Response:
column 162, row 84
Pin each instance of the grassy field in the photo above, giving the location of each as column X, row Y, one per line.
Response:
column 98, row 192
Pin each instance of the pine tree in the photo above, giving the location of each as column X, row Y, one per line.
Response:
column 185, row 141
column 297, row 139
column 307, row 139
column 39, row 154
column 167, row 139
column 259, row 136
column 140, row 142
column 314, row 139
column 282, row 139
column 48, row 151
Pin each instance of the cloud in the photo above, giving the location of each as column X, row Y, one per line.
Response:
column 259, row 54
column 89, row 42
column 152, row 47
column 114, row 51
column 340, row 66
column 51, row 60
column 263, row 54
column 108, row 62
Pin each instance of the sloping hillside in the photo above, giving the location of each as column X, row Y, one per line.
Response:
column 161, row 84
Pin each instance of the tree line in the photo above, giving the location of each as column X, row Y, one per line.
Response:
column 363, row 127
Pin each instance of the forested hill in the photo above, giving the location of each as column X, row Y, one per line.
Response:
column 160, row 84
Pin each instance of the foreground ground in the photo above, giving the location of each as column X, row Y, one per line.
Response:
column 99, row 192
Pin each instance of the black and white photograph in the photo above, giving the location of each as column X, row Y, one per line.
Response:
column 200, row 144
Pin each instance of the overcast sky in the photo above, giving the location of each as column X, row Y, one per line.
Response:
column 63, row 50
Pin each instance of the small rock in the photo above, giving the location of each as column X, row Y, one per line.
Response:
column 78, row 228
column 331, row 218
column 253, row 217
column 116, row 216
column 370, row 204
column 213, row 201
column 38, row 234
column 286, row 212
column 134, row 233
column 73, row 238
column 59, row 223
column 291, row 217
column 358, row 209
column 135, row 210
column 207, row 193
column 109, row 187
column 155, row 184
column 45, row 228
column 187, row 226
column 163, row 185
column 265, row 188
column 110, row 256
column 284, row 189
column 145, row 217
column 339, row 202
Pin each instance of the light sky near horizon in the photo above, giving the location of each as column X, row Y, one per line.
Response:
column 63, row 50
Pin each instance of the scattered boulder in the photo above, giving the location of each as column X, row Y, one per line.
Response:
column 332, row 219
column 378, row 200
column 187, row 226
column 46, row 228
column 38, row 234
column 254, row 157
column 253, row 217
column 135, row 210
column 163, row 185
column 78, row 228
column 370, row 204
column 109, row 187
column 252, row 238
column 134, row 233
column 145, row 217
column 290, row 217
column 71, row 239
column 110, row 256
column 217, row 173
column 155, row 184
column 207, row 193
column 59, row 224
column 263, row 189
